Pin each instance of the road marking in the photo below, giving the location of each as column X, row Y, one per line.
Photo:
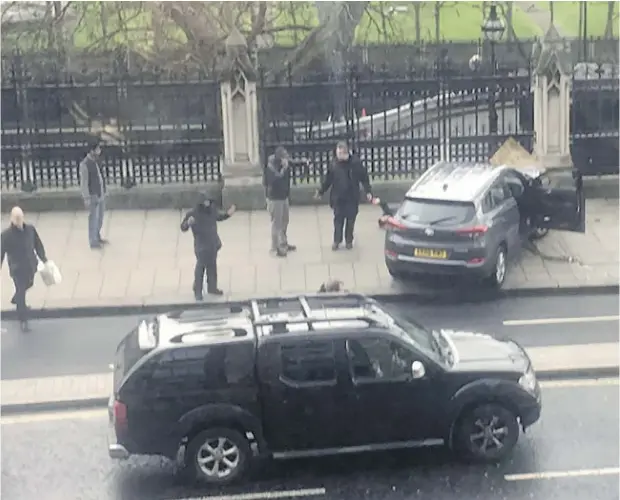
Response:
column 31, row 418
column 267, row 495
column 558, row 321
column 559, row 384
column 610, row 471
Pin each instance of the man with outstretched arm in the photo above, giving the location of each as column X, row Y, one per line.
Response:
column 344, row 178
column 203, row 219
column 277, row 183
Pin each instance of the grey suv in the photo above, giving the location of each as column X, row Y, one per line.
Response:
column 472, row 219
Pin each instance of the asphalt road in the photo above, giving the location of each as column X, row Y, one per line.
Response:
column 81, row 346
column 61, row 456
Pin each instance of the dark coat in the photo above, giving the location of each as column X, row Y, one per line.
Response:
column 22, row 246
column 344, row 178
column 206, row 239
column 277, row 180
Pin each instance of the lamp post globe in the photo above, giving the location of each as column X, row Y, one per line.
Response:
column 493, row 26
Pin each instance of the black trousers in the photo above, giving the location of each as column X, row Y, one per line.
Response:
column 344, row 222
column 22, row 285
column 205, row 264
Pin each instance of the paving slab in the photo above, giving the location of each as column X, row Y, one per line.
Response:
column 550, row 361
column 149, row 260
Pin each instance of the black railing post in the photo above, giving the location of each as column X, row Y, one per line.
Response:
column 21, row 87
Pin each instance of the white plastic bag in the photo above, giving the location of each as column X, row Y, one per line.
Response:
column 50, row 274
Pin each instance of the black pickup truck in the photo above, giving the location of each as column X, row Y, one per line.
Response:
column 309, row 376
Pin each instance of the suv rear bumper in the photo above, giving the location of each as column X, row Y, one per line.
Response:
column 413, row 265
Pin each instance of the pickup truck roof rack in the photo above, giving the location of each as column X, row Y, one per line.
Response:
column 276, row 312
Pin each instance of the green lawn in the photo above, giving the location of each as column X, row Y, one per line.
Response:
column 566, row 17
column 459, row 21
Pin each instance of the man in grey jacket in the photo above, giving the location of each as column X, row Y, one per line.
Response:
column 92, row 184
column 277, row 183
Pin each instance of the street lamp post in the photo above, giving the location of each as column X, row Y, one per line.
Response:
column 493, row 29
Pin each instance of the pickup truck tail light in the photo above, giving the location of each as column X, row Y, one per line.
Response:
column 120, row 416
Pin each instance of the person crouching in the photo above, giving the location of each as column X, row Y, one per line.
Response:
column 203, row 220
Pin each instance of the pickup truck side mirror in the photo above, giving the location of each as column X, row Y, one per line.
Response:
column 417, row 370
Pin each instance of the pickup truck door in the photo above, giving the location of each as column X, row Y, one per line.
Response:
column 391, row 406
column 559, row 200
column 303, row 399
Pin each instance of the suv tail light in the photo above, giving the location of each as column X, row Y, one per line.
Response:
column 394, row 224
column 119, row 411
column 473, row 232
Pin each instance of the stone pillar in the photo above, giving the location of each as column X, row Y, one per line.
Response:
column 241, row 172
column 552, row 97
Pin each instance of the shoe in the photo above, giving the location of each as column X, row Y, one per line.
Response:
column 198, row 297
column 291, row 248
column 24, row 326
column 96, row 246
column 103, row 241
column 280, row 253
column 335, row 246
column 215, row 291
column 13, row 301
column 349, row 246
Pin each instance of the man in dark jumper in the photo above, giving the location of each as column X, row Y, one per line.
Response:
column 203, row 220
column 344, row 177
column 92, row 184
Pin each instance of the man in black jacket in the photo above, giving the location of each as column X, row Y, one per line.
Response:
column 344, row 178
column 92, row 185
column 277, row 182
column 203, row 220
column 22, row 245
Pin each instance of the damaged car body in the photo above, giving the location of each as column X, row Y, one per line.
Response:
column 473, row 220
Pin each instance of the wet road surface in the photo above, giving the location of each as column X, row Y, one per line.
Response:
column 63, row 456
column 81, row 346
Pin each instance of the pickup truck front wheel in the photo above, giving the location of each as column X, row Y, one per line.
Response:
column 218, row 456
column 486, row 433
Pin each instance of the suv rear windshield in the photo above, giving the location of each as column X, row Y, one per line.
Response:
column 438, row 212
column 139, row 342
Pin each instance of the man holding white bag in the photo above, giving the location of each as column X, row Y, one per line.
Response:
column 23, row 247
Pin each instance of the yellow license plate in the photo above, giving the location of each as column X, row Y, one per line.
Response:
column 430, row 253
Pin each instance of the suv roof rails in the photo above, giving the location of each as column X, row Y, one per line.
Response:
column 310, row 321
column 218, row 332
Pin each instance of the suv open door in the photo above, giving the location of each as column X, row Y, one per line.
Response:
column 560, row 200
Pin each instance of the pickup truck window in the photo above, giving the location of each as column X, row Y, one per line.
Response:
column 372, row 359
column 198, row 367
column 308, row 361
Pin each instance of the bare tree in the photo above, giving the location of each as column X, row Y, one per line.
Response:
column 196, row 31
column 417, row 10
column 611, row 21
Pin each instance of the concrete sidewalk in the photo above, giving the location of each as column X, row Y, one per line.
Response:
column 149, row 261
column 49, row 393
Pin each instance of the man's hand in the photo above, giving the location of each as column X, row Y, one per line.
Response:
column 191, row 220
column 369, row 196
column 317, row 195
column 231, row 210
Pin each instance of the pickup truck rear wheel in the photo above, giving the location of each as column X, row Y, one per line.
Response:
column 218, row 456
column 486, row 433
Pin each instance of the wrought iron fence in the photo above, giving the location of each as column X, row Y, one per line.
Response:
column 399, row 124
column 594, row 118
column 156, row 130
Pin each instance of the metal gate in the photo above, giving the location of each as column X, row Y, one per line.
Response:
column 399, row 124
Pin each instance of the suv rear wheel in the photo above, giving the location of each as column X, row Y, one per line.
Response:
column 486, row 433
column 218, row 456
column 500, row 268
